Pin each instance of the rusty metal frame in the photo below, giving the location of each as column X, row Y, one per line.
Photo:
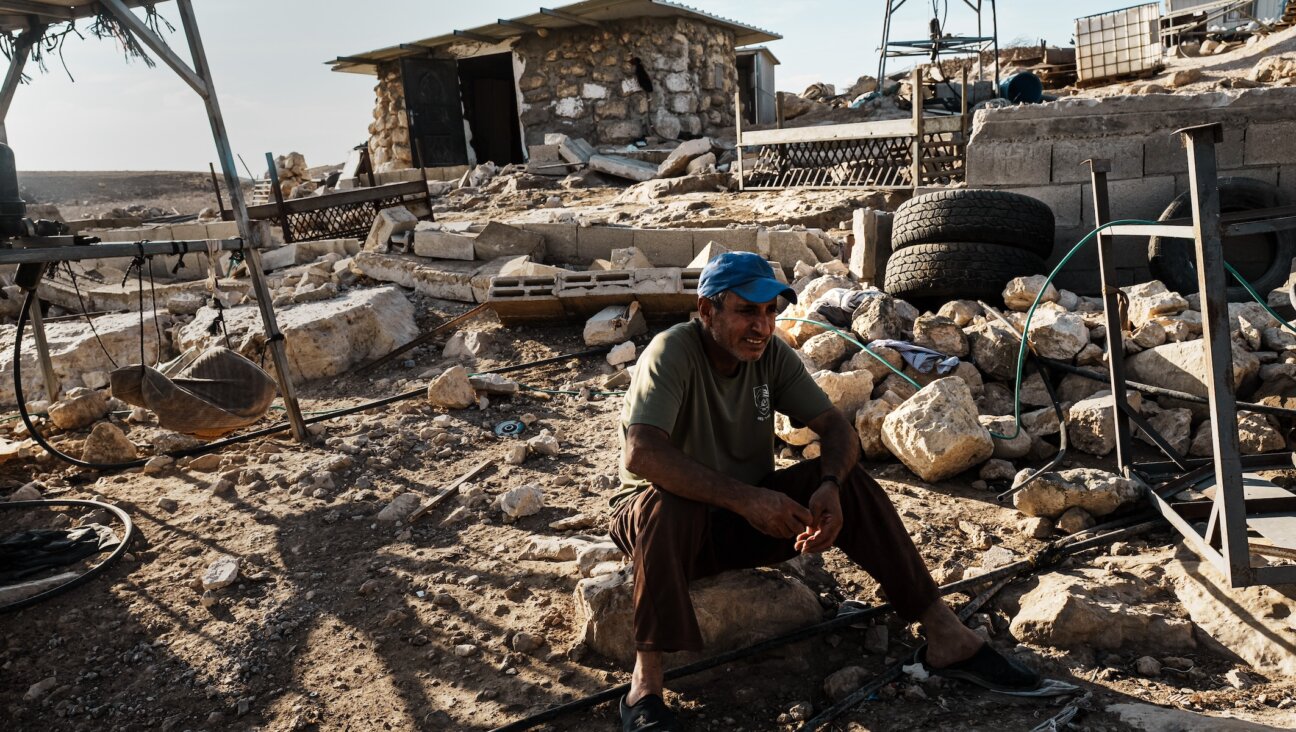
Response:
column 1225, row 542
column 197, row 75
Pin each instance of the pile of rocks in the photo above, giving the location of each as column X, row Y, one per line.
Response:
column 294, row 176
column 943, row 426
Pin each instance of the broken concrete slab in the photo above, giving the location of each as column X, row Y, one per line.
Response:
column 677, row 162
column 615, row 324
column 445, row 279
column 575, row 150
column 630, row 258
column 322, row 339
column 524, row 267
column 502, row 240
column 623, row 167
column 389, row 221
column 440, row 244
column 305, row 252
column 708, row 253
column 1096, row 491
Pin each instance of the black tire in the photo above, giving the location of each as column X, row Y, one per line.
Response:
column 993, row 217
column 1264, row 259
column 957, row 270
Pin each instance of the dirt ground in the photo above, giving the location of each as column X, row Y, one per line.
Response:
column 341, row 622
column 87, row 194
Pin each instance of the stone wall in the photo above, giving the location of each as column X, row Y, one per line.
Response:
column 1039, row 150
column 583, row 82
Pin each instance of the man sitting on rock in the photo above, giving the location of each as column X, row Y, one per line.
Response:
column 702, row 495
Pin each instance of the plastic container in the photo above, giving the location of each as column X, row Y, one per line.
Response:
column 1022, row 88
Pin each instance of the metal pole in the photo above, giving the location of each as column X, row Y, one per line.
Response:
column 42, row 352
column 220, row 203
column 1098, row 169
column 994, row 17
column 274, row 338
column 916, row 92
column 1211, row 283
column 738, row 130
column 886, row 37
column 273, row 176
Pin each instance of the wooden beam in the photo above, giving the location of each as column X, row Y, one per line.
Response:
column 158, row 46
column 22, row 49
column 25, row 7
column 476, row 37
column 563, row 15
column 851, row 131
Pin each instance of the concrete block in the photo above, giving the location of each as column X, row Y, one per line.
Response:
column 524, row 267
column 737, row 240
column 585, row 293
column 790, row 247
column 186, row 232
column 480, row 280
column 560, row 241
column 1270, row 143
column 502, row 240
column 1065, row 200
column 389, row 221
column 1163, row 151
column 444, row 245
column 524, row 299
column 1126, row 154
column 630, row 258
column 1143, row 198
column 542, row 154
column 1009, row 163
column 445, row 280
column 709, row 252
column 575, row 150
column 665, row 247
column 615, row 324
column 872, row 232
column 597, row 242
column 623, row 167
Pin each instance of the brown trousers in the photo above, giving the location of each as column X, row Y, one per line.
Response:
column 673, row 540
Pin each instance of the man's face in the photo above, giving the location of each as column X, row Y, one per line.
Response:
column 740, row 327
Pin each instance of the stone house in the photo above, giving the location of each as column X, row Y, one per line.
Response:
column 608, row 71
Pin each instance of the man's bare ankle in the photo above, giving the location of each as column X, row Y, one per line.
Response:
column 637, row 693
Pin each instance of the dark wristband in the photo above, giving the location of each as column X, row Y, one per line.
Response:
column 830, row 479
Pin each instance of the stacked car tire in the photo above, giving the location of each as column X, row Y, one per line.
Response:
column 966, row 244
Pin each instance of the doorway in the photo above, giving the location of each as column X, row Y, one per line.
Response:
column 490, row 107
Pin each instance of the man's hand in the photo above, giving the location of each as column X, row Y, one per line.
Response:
column 777, row 515
column 826, row 520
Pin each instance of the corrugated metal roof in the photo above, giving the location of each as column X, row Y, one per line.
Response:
column 589, row 12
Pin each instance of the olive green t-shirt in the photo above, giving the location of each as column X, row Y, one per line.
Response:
column 723, row 422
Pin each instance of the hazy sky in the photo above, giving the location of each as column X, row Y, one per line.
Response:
column 268, row 56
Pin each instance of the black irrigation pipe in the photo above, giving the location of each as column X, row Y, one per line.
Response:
column 1159, row 391
column 127, row 536
column 25, row 314
column 1048, row 556
column 892, row 672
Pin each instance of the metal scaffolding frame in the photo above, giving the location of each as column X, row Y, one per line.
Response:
column 933, row 47
column 1243, row 502
column 34, row 17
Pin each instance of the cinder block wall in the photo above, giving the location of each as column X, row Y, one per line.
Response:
column 1039, row 150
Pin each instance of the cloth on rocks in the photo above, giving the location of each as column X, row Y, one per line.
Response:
column 26, row 553
column 207, row 393
column 837, row 305
column 922, row 359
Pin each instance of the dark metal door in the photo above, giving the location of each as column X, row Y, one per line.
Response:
column 435, row 112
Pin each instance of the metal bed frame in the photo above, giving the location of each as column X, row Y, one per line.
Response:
column 1243, row 501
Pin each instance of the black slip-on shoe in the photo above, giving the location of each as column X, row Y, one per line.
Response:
column 649, row 714
column 988, row 669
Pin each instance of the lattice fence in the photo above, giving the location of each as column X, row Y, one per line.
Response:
column 878, row 162
column 343, row 221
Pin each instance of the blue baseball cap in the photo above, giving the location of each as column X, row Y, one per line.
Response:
column 745, row 273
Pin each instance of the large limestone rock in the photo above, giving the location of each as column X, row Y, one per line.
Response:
column 734, row 609
column 935, row 433
column 1253, row 622
column 1096, row 491
column 615, row 324
column 1020, row 292
column 80, row 408
column 1091, row 608
column 1058, row 335
column 795, row 436
column 940, row 333
column 849, row 391
column 868, row 425
column 452, row 389
column 1182, row 367
column 107, row 444
column 501, row 240
column 1017, row 447
column 677, row 162
column 74, row 351
column 826, row 350
column 876, row 319
column 863, row 360
column 995, row 349
column 1091, row 424
column 322, row 338
column 388, row 222
column 1152, row 300
column 1257, row 434
column 1174, row 426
